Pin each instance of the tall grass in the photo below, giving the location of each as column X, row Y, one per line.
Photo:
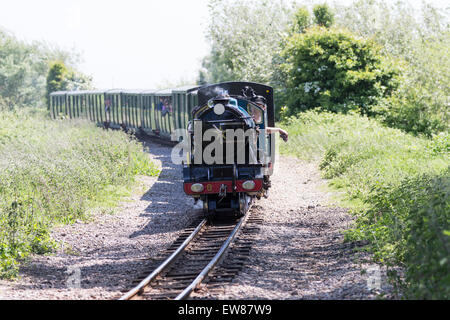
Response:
column 53, row 172
column 400, row 186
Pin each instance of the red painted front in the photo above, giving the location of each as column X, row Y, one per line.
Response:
column 214, row 186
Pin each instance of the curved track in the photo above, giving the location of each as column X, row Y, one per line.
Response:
column 189, row 263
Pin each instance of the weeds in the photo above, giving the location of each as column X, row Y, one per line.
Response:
column 54, row 172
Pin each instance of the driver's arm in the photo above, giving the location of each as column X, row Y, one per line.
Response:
column 283, row 133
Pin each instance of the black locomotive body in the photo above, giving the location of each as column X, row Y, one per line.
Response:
column 232, row 155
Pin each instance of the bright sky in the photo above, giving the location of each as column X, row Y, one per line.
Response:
column 124, row 44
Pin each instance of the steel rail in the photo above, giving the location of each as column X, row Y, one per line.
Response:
column 186, row 292
column 133, row 292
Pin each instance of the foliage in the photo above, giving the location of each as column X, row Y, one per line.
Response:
column 408, row 224
column 398, row 185
column 56, row 79
column 60, row 78
column 323, row 16
column 334, row 70
column 422, row 102
column 23, row 70
column 243, row 36
column 396, row 26
column 55, row 172
column 406, row 40
column 421, row 39
column 301, row 21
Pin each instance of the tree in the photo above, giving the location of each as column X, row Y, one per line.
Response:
column 16, row 70
column 323, row 16
column 397, row 27
column 60, row 78
column 421, row 39
column 301, row 21
column 334, row 70
column 244, row 35
column 24, row 67
column 421, row 104
column 77, row 80
column 56, row 79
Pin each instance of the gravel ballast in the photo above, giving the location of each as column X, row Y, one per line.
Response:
column 298, row 254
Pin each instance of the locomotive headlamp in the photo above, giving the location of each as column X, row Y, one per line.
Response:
column 248, row 185
column 197, row 187
column 219, row 109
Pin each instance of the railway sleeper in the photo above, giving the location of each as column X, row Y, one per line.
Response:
column 206, row 247
column 203, row 251
column 180, row 277
column 160, row 296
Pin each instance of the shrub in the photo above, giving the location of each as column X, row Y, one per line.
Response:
column 408, row 224
column 334, row 70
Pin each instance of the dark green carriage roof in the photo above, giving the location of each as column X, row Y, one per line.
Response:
column 187, row 88
column 148, row 91
column 163, row 92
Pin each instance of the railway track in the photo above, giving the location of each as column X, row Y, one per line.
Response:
column 197, row 252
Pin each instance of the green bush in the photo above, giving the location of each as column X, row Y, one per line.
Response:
column 421, row 104
column 398, row 185
column 408, row 225
column 61, row 78
column 54, row 172
column 56, row 79
column 334, row 70
column 323, row 16
column 301, row 21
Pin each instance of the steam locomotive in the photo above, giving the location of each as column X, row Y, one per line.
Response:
column 231, row 153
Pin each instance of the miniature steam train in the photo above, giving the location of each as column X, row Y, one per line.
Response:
column 241, row 161
column 230, row 154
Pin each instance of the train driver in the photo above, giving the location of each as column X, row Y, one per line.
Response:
column 257, row 117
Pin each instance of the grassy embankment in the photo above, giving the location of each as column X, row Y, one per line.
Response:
column 55, row 172
column 399, row 187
